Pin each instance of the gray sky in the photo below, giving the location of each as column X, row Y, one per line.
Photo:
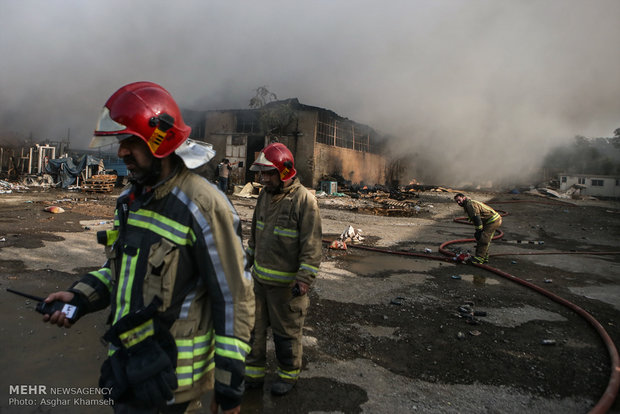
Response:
column 494, row 83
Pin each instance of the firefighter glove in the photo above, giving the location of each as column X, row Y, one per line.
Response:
column 113, row 376
column 150, row 373
column 477, row 222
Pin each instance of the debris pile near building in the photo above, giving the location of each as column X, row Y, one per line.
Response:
column 101, row 183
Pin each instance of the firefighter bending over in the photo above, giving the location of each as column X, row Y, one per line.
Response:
column 486, row 221
column 182, row 305
column 285, row 247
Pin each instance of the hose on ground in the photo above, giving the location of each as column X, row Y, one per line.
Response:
column 611, row 391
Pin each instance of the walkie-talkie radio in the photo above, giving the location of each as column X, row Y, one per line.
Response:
column 70, row 310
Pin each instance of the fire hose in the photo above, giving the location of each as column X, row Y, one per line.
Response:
column 609, row 395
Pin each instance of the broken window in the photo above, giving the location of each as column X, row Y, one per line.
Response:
column 247, row 122
column 344, row 133
column 325, row 131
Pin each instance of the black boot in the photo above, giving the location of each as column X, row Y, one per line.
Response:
column 281, row 387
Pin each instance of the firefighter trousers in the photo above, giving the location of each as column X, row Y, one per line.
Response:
column 488, row 231
column 277, row 307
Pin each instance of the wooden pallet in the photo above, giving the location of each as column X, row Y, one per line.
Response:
column 103, row 183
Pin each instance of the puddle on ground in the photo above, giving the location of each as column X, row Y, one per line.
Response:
column 606, row 293
column 332, row 282
column 70, row 252
column 371, row 263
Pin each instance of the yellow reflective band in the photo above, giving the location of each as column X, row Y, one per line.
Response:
column 137, row 334
column 162, row 226
column 202, row 367
column 254, row 371
column 190, row 348
column 281, row 231
column 291, row 375
column 184, row 376
column 103, row 275
column 274, row 275
column 125, row 283
column 309, row 268
column 493, row 218
column 231, row 348
column 260, row 225
column 187, row 375
column 184, row 370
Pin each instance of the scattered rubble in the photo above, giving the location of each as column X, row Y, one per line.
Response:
column 250, row 190
column 7, row 187
column 351, row 235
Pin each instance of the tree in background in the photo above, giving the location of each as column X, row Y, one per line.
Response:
column 274, row 116
column 616, row 138
column 263, row 97
column 587, row 156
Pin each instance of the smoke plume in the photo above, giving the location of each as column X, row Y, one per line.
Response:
column 469, row 92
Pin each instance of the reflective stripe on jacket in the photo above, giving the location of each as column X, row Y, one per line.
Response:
column 286, row 236
column 182, row 242
column 476, row 208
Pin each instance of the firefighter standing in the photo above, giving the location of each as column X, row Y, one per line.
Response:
column 486, row 221
column 285, row 247
column 223, row 172
column 182, row 305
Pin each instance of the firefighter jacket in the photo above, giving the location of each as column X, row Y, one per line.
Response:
column 286, row 237
column 182, row 242
column 485, row 213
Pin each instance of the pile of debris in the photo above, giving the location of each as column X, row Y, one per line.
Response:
column 102, row 183
column 349, row 235
column 7, row 187
column 375, row 200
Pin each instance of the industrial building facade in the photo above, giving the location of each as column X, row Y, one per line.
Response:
column 591, row 184
column 322, row 142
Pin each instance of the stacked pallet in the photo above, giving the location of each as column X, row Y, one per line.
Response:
column 102, row 183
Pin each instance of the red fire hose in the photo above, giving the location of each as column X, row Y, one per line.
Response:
column 609, row 396
column 611, row 392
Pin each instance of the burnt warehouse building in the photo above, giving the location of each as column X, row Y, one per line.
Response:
column 322, row 142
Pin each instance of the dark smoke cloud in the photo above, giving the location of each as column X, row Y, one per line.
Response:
column 474, row 91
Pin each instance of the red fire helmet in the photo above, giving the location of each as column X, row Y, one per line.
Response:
column 146, row 110
column 276, row 156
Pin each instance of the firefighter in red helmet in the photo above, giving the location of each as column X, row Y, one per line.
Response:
column 285, row 249
column 182, row 305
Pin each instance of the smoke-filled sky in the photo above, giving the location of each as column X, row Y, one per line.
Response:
column 473, row 90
